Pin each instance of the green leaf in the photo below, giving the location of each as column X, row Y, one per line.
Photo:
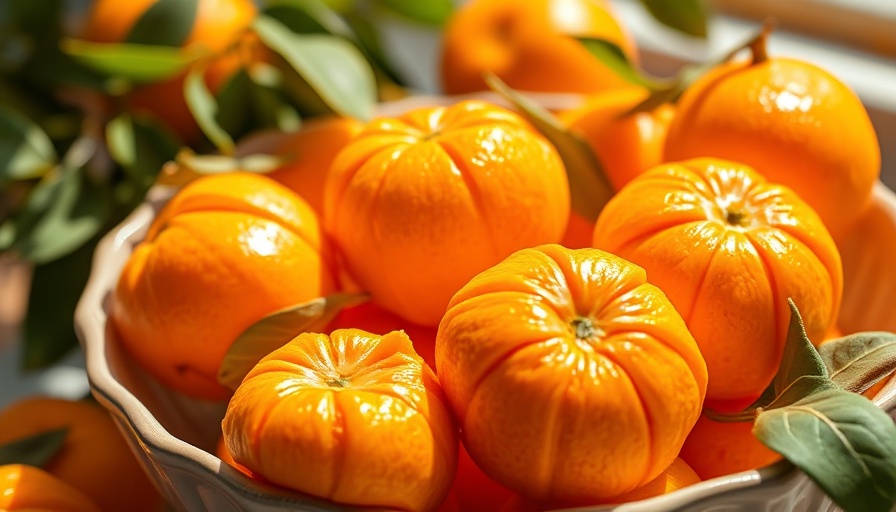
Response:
column 861, row 360
column 687, row 16
column 588, row 186
column 62, row 213
column 800, row 357
column 799, row 389
column 614, row 58
column 133, row 62
column 367, row 38
column 333, row 67
column 26, row 152
column 233, row 116
column 270, row 108
column 204, row 108
column 165, row 23
column 48, row 330
column 431, row 12
column 35, row 450
column 277, row 329
column 141, row 146
column 843, row 442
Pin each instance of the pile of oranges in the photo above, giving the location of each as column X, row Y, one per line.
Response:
column 513, row 353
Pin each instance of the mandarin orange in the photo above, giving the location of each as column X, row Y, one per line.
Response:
column 28, row 488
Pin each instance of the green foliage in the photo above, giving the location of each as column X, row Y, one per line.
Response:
column 687, row 16
column 36, row 450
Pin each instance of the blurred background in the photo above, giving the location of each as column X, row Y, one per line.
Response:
column 855, row 40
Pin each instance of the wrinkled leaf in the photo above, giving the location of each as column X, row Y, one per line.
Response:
column 333, row 67
column 35, row 450
column 141, row 147
column 134, row 62
column 164, row 23
column 799, row 389
column 431, row 12
column 800, row 357
column 25, row 150
column 843, row 442
column 49, row 332
column 588, row 186
column 687, row 16
column 859, row 361
column 277, row 329
column 614, row 58
column 204, row 108
column 62, row 213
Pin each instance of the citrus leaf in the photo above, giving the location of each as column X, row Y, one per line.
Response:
column 614, row 58
column 26, row 152
column 62, row 213
column 687, row 16
column 277, row 329
column 270, row 108
column 800, row 357
column 35, row 450
column 588, row 186
column 204, row 108
column 861, row 360
column 141, row 147
column 843, row 442
column 133, row 62
column 165, row 23
column 432, row 12
column 333, row 67
column 799, row 389
column 232, row 115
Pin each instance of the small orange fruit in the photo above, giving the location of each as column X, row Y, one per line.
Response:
column 353, row 417
column 27, row 488
column 94, row 458
column 223, row 253
column 222, row 453
column 714, row 448
column 474, row 490
column 574, row 379
column 729, row 249
column 309, row 153
column 790, row 120
column 531, row 45
column 627, row 145
column 418, row 204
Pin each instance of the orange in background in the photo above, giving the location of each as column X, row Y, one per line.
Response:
column 27, row 488
column 581, row 341
column 531, row 46
column 94, row 459
column 224, row 252
column 420, row 203
column 352, row 417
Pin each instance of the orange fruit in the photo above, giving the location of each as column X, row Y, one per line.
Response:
column 729, row 249
column 714, row 449
column 309, row 153
column 418, row 204
column 473, row 490
column 219, row 30
column 574, row 380
column 25, row 488
column 225, row 456
column 374, row 319
column 223, row 253
column 94, row 458
column 626, row 145
column 791, row 121
column 531, row 45
column 677, row 476
column 352, row 417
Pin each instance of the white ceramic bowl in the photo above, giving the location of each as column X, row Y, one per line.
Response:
column 174, row 436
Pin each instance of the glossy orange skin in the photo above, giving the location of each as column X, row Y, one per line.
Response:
column 677, row 476
column 714, row 449
column 612, row 406
column 227, row 250
column 374, row 319
column 627, row 145
column 419, row 204
column 531, row 46
column 353, row 417
column 730, row 282
column 310, row 152
column 94, row 458
column 28, row 488
column 218, row 26
column 791, row 121
column 225, row 456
